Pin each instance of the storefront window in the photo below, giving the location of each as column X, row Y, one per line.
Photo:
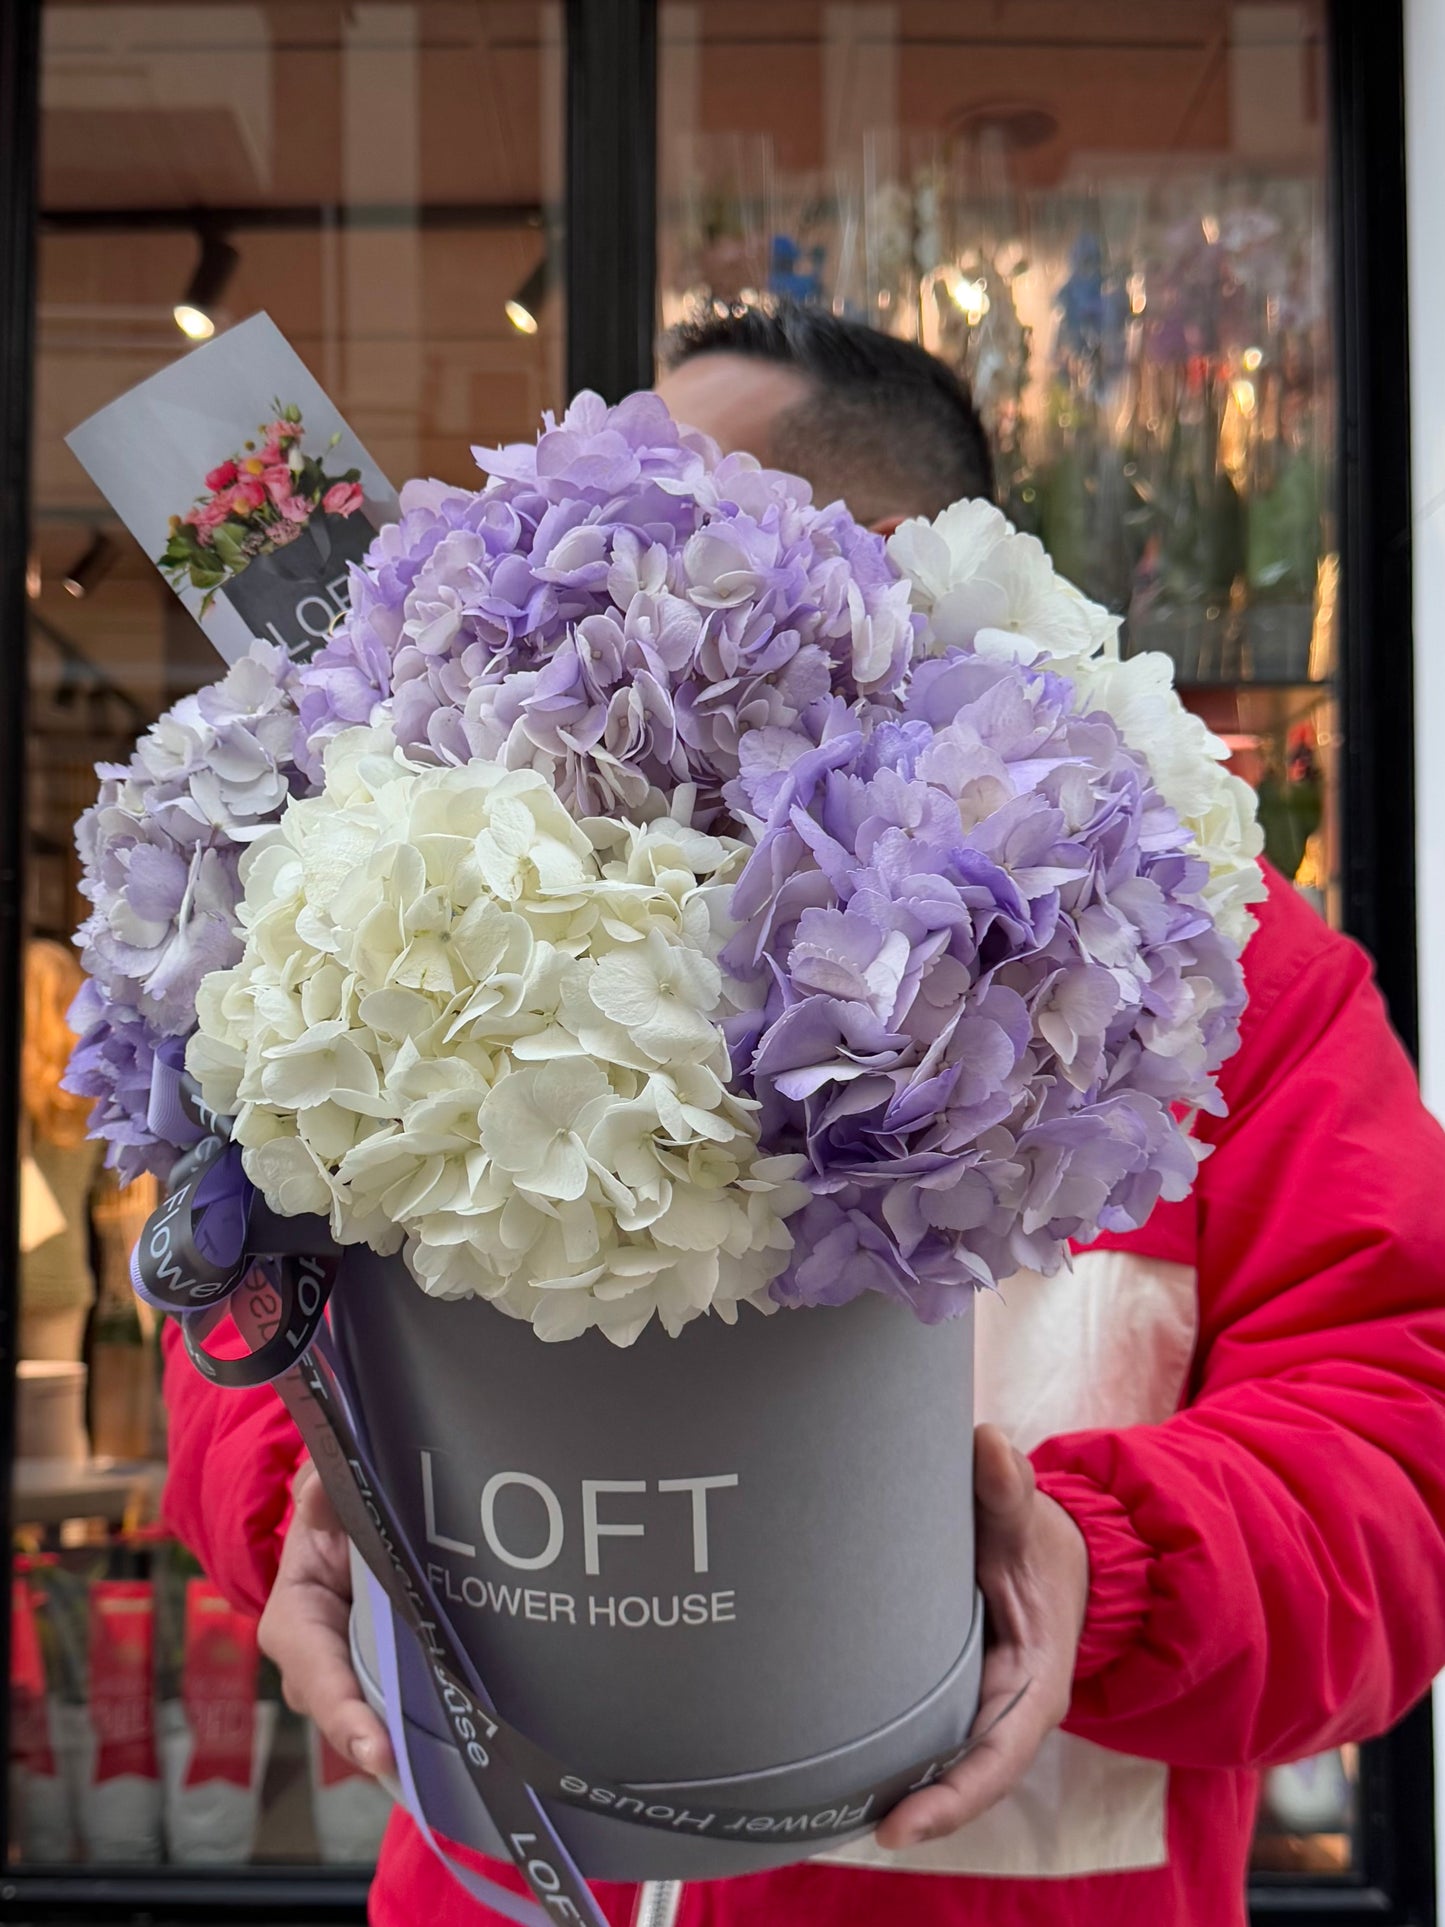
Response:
column 1119, row 235
column 383, row 180
column 1113, row 222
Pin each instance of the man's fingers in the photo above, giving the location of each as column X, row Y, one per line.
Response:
column 313, row 1506
column 307, row 1641
column 334, row 1702
column 993, row 1767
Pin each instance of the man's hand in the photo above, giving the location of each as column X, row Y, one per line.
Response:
column 304, row 1629
column 1033, row 1570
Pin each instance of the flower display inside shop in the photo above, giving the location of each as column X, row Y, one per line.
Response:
column 258, row 500
column 687, row 898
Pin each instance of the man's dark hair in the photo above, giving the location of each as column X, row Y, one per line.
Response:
column 886, row 425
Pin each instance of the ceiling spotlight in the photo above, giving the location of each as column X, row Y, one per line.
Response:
column 97, row 562
column 524, row 310
column 195, row 312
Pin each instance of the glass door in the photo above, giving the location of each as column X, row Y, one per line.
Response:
column 384, row 181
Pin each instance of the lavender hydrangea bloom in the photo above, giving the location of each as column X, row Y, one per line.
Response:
column 618, row 608
column 160, row 851
column 112, row 1063
column 989, row 984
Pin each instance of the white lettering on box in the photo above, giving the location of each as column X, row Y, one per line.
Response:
column 523, row 1563
column 699, row 1488
column 593, row 1529
column 428, row 1499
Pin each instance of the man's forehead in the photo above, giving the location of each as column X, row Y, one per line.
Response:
column 734, row 398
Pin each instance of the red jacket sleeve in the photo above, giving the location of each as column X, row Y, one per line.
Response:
column 1268, row 1566
column 233, row 1455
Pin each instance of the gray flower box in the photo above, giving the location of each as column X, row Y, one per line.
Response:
column 736, row 1564
column 294, row 594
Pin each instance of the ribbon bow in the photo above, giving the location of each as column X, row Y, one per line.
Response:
column 213, row 1231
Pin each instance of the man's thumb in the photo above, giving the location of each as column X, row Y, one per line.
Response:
column 1003, row 1480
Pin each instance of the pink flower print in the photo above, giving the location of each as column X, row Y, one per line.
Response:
column 342, row 498
column 247, row 495
column 279, row 482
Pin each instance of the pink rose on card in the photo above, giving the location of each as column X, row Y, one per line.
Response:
column 259, row 499
column 342, row 498
column 279, row 481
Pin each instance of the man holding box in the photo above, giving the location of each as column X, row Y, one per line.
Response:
column 1226, row 1548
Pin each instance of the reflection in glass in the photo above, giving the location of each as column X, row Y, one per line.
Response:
column 382, row 180
column 1120, row 238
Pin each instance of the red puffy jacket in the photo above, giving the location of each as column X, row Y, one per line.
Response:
column 1267, row 1564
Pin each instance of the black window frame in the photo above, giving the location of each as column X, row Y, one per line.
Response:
column 610, row 254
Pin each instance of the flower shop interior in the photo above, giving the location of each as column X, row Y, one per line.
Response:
column 1166, row 246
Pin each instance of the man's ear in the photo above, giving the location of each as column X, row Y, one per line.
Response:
column 887, row 524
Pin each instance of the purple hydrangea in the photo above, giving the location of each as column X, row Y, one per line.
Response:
column 112, row 1063
column 618, row 608
column 160, row 851
column 988, row 989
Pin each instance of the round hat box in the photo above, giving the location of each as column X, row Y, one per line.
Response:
column 736, row 1565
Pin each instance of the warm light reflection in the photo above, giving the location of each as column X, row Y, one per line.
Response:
column 194, row 323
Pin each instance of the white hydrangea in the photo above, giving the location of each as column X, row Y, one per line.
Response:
column 982, row 585
column 467, row 1026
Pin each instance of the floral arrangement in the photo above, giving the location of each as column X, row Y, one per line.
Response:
column 257, row 500
column 660, row 894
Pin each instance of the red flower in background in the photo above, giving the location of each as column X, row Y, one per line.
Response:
column 222, row 477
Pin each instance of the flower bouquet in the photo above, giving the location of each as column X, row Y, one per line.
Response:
column 663, row 955
column 271, row 519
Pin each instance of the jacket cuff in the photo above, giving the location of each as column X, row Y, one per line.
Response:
column 1119, row 1570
